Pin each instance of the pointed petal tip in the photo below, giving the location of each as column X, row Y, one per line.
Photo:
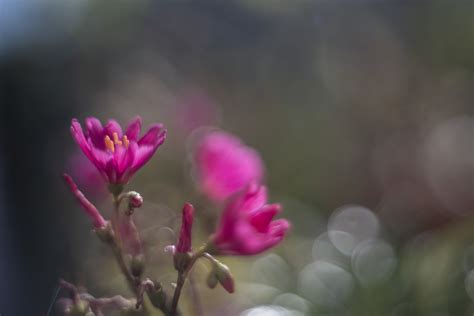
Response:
column 280, row 227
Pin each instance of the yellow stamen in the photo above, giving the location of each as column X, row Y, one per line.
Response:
column 117, row 141
column 109, row 144
column 126, row 142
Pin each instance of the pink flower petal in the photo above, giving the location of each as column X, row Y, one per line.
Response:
column 95, row 132
column 113, row 127
column 133, row 129
column 262, row 218
column 155, row 136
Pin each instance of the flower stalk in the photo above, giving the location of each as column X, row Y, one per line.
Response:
column 230, row 173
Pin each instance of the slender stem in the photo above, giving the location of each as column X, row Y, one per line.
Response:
column 116, row 247
column 182, row 278
column 177, row 292
column 132, row 282
column 116, row 244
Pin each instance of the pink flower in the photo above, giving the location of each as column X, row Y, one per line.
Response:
column 97, row 220
column 184, row 241
column 225, row 165
column 247, row 226
column 115, row 154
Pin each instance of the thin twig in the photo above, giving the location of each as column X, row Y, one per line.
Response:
column 182, row 275
column 177, row 292
column 116, row 248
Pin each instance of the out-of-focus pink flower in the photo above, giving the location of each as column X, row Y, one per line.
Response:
column 224, row 165
column 184, row 241
column 115, row 154
column 97, row 220
column 247, row 226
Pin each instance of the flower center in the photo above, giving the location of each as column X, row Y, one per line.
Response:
column 110, row 145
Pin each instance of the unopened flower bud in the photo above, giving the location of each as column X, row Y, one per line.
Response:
column 135, row 200
column 184, row 241
column 224, row 276
column 97, row 220
column 181, row 261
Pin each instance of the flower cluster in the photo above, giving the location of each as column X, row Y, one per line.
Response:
column 228, row 172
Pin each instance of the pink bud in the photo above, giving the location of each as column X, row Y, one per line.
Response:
column 224, row 277
column 136, row 199
column 184, row 241
column 97, row 220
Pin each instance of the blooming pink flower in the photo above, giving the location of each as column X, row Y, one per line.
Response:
column 225, row 165
column 115, row 154
column 97, row 220
column 184, row 241
column 247, row 226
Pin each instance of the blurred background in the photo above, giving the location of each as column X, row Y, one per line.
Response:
column 363, row 112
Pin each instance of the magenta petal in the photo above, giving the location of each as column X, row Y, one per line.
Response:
column 226, row 226
column 78, row 135
column 110, row 171
column 262, row 218
column 95, row 132
column 113, row 127
column 155, row 136
column 248, row 241
column 124, row 160
column 279, row 227
column 96, row 156
column 133, row 129
column 255, row 197
column 143, row 155
column 258, row 242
